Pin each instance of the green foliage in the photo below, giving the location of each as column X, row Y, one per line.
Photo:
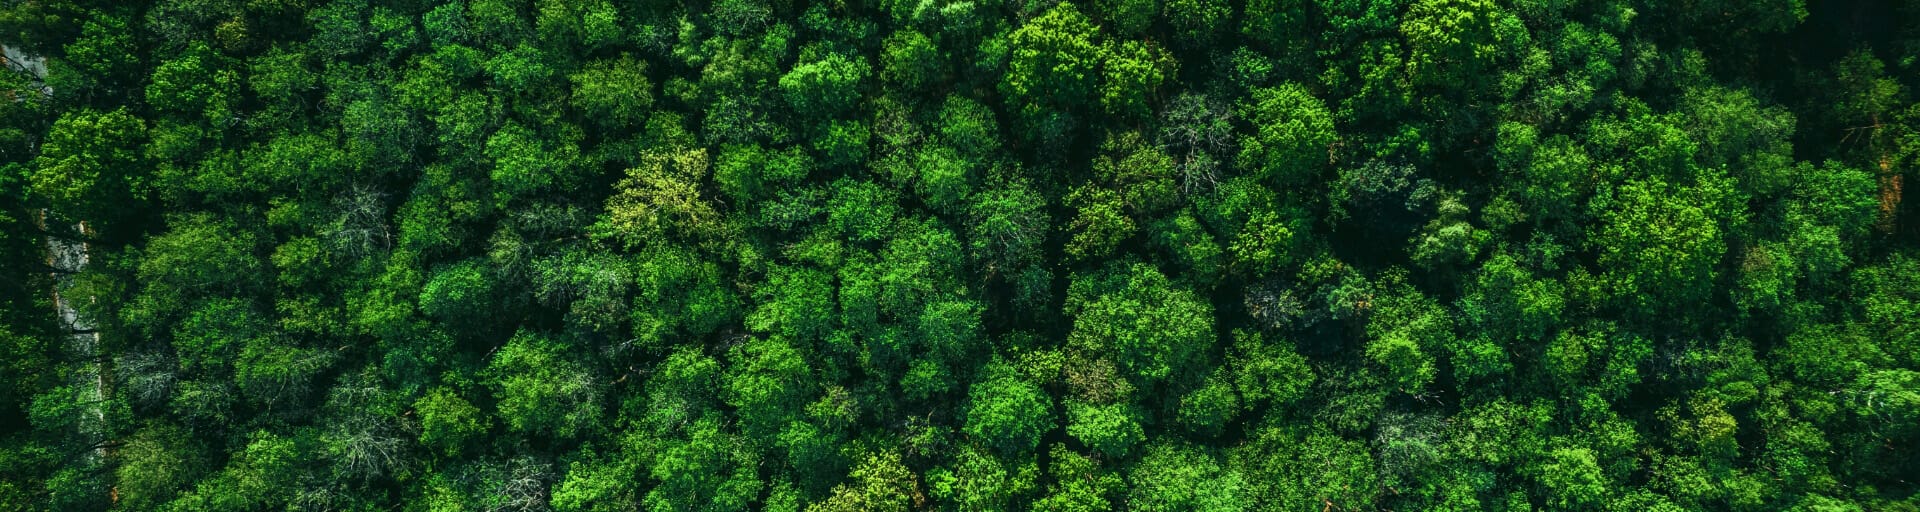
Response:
column 1195, row 22
column 1129, row 18
column 158, row 462
column 1130, row 77
column 748, row 172
column 1176, row 477
column 861, row 210
column 1110, row 429
column 195, row 83
column 1265, row 243
column 1148, row 325
column 1292, row 134
column 825, row 87
column 707, row 470
column 1208, row 410
column 980, row 481
column 90, row 163
column 1455, row 40
column 1009, row 228
column 1099, row 225
column 619, row 255
column 675, row 294
column 1006, row 412
column 910, row 59
column 768, row 384
column 613, row 93
column 199, row 254
column 1079, row 484
column 447, row 422
column 1267, row 373
column 1344, row 472
column 881, row 483
column 1141, row 173
column 660, row 197
column 461, row 294
column 1052, row 68
column 541, row 391
column 1663, row 242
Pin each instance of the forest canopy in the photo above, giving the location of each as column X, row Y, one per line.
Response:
column 959, row 255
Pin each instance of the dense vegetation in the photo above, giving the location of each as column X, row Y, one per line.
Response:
column 1063, row 255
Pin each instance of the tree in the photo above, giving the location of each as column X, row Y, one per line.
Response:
column 881, row 483
column 90, row 164
column 1206, row 411
column 747, row 172
column 590, row 287
column 970, row 128
column 1736, row 130
column 525, row 164
column 910, row 59
column 262, row 474
column 825, row 87
column 1194, row 250
column 1051, row 70
column 943, row 178
column 1267, row 373
column 796, row 302
column 1131, row 76
column 1343, row 470
column 1110, row 429
column 1007, row 413
column 1196, row 23
column 1100, row 224
column 1141, row 172
column 540, row 391
column 1008, row 228
column 359, row 435
column 861, row 210
column 980, row 481
column 660, row 197
column 1079, row 484
column 269, row 371
column 1511, row 300
column 197, row 84
column 590, row 24
column 1455, row 41
column 1265, row 243
column 613, row 93
column 1197, row 131
column 619, row 255
column 158, row 462
column 1129, row 18
column 1572, row 478
column 948, row 332
column 920, row 264
column 521, row 69
column 1177, row 477
column 1292, row 134
column 1663, row 243
column 597, row 486
column 1548, row 178
column 1134, row 315
column 1273, row 21
column 1405, row 326
column 448, row 423
column 707, row 470
column 461, row 294
column 198, row 256
column 768, row 383
column 678, row 293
